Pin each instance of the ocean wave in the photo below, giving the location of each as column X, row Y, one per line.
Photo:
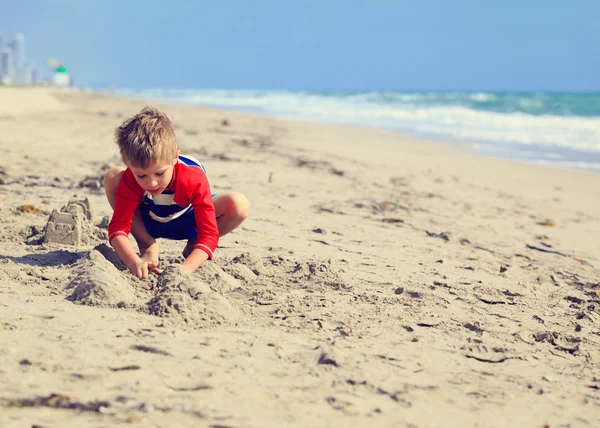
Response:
column 588, row 166
column 437, row 115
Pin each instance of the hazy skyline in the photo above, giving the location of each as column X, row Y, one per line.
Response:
column 312, row 45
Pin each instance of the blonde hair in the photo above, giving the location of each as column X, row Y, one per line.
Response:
column 146, row 138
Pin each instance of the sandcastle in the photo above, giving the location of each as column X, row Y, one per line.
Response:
column 72, row 225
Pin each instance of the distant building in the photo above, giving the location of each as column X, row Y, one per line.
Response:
column 28, row 74
column 15, row 68
column 18, row 46
column 61, row 76
column 7, row 68
column 34, row 74
column 4, row 60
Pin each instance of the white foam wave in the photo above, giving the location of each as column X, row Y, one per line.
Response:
column 481, row 97
column 589, row 166
column 404, row 113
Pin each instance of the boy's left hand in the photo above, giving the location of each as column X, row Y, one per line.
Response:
column 153, row 267
column 150, row 256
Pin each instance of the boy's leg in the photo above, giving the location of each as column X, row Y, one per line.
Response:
column 231, row 210
column 146, row 243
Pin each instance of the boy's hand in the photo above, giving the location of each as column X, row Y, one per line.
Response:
column 194, row 260
column 153, row 267
column 140, row 268
column 150, row 255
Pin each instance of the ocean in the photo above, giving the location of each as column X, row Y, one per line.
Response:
column 558, row 129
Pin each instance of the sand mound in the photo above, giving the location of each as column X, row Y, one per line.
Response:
column 97, row 282
column 252, row 262
column 188, row 300
column 101, row 279
column 218, row 279
column 110, row 255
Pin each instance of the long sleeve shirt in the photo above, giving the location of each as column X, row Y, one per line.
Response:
column 189, row 189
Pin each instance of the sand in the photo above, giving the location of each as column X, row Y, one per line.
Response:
column 379, row 281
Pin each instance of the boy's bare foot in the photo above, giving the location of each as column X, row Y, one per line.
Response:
column 189, row 247
column 150, row 255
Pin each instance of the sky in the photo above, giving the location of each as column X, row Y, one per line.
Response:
column 315, row 45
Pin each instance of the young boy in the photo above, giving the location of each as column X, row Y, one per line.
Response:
column 163, row 194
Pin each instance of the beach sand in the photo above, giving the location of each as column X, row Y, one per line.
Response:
column 379, row 281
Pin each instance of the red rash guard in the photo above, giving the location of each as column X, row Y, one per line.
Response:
column 189, row 186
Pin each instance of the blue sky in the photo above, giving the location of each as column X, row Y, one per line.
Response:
column 316, row 44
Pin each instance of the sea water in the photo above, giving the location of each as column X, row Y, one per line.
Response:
column 559, row 129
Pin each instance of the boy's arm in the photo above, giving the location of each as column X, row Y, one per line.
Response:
column 125, row 251
column 206, row 225
column 195, row 260
column 129, row 196
column 198, row 194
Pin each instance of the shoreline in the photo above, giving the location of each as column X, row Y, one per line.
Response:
column 377, row 277
column 559, row 156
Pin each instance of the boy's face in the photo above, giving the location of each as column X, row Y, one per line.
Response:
column 156, row 177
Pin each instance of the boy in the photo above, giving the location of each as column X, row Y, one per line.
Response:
column 163, row 194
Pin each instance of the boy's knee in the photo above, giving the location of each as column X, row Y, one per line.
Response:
column 242, row 205
column 239, row 205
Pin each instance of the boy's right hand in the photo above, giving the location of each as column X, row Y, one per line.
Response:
column 140, row 268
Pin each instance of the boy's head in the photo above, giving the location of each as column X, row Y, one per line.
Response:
column 146, row 139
